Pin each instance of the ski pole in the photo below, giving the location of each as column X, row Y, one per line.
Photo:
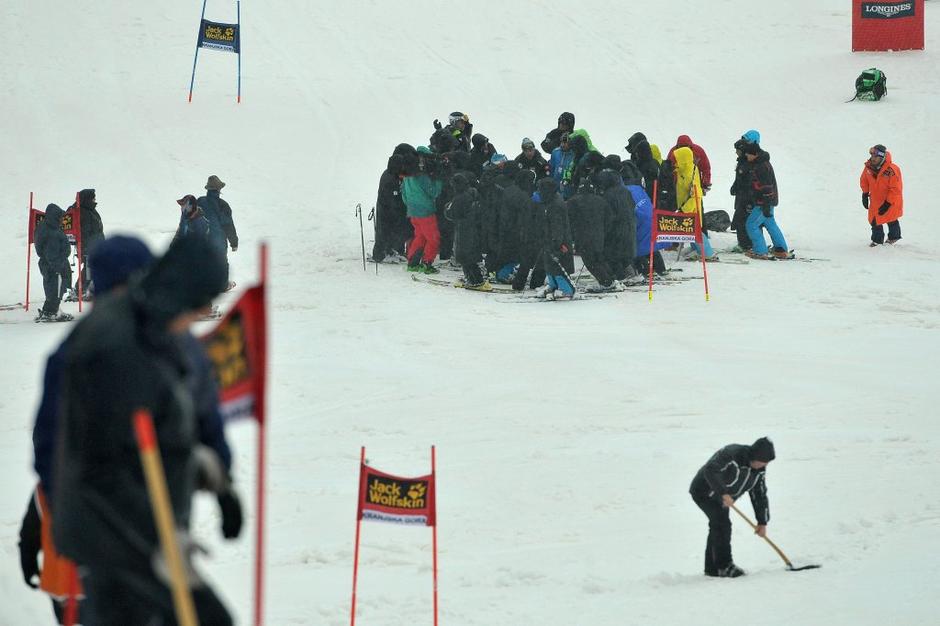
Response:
column 375, row 230
column 773, row 545
column 362, row 235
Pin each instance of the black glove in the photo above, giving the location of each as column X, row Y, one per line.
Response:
column 231, row 510
column 865, row 200
column 30, row 565
column 437, row 125
column 768, row 211
column 884, row 208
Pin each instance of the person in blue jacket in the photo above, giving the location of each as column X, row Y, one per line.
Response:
column 561, row 164
column 643, row 208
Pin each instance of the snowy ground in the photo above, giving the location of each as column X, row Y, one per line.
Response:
column 566, row 434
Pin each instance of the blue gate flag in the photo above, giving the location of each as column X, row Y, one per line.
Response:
column 218, row 36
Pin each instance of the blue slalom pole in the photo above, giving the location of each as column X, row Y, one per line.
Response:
column 238, row 20
column 196, row 56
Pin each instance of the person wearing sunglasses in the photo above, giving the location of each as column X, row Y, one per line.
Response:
column 882, row 195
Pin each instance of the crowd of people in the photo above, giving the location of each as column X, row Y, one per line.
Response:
column 519, row 221
column 208, row 217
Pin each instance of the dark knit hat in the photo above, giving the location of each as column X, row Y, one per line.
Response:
column 214, row 184
column 479, row 140
column 113, row 260
column 186, row 278
column 567, row 118
column 763, row 450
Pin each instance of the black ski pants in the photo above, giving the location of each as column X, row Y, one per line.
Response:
column 738, row 224
column 878, row 231
column 121, row 598
column 718, row 545
column 595, row 263
column 531, row 262
column 55, row 281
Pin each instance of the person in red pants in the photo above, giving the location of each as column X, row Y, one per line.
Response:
column 420, row 190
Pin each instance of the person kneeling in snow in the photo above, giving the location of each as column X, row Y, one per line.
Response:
column 730, row 472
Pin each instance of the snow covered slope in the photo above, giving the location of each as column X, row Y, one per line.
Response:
column 567, row 434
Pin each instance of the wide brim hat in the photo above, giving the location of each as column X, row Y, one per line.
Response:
column 214, row 184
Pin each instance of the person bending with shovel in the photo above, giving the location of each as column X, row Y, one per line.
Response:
column 732, row 471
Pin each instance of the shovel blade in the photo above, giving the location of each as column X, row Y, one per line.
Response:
column 802, row 567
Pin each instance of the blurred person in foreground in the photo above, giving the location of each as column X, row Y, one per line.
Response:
column 130, row 353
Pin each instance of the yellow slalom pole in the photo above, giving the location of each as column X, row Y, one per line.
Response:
column 163, row 516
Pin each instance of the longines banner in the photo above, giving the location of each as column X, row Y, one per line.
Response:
column 887, row 25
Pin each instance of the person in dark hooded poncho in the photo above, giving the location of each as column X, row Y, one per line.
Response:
column 128, row 354
column 392, row 228
column 53, row 249
column 728, row 474
column 464, row 210
column 91, row 232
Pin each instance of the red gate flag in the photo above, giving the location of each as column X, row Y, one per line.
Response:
column 387, row 498
column 680, row 227
column 236, row 348
column 71, row 226
column 883, row 25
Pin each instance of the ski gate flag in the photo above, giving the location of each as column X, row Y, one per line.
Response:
column 679, row 228
column 387, row 498
column 71, row 226
column 396, row 500
column 236, row 349
column 219, row 36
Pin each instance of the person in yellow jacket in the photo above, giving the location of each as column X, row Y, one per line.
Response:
column 882, row 195
column 58, row 576
column 689, row 194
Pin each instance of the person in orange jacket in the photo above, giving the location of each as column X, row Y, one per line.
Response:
column 882, row 195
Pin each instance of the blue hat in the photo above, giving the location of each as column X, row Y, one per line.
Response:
column 498, row 158
column 115, row 259
column 752, row 136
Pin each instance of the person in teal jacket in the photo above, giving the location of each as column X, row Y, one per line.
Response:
column 420, row 191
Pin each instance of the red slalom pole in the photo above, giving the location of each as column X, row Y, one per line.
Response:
column 29, row 245
column 262, row 447
column 652, row 239
column 434, row 530
column 352, row 617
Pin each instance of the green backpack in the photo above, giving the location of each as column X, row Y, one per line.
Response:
column 872, row 85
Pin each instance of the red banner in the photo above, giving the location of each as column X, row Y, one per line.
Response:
column 883, row 25
column 679, row 227
column 69, row 227
column 387, row 498
column 237, row 350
